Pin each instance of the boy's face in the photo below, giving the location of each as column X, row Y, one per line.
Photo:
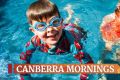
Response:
column 49, row 34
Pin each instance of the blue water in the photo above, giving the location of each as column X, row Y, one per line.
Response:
column 14, row 32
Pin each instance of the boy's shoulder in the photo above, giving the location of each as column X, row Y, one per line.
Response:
column 76, row 31
column 35, row 40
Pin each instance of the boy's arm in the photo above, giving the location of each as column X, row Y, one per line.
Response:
column 77, row 49
column 27, row 51
column 25, row 57
column 81, row 56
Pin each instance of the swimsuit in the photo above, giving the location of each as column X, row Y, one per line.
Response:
column 69, row 43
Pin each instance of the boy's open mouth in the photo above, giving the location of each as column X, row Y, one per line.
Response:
column 52, row 36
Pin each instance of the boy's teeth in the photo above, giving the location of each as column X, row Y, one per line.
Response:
column 51, row 36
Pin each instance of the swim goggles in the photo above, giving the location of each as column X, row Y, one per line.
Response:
column 41, row 26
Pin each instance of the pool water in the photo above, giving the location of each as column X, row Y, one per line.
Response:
column 14, row 28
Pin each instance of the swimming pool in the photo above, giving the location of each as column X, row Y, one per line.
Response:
column 14, row 27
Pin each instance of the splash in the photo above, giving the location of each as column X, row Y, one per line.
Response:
column 3, row 68
column 71, row 13
column 4, row 71
column 68, row 8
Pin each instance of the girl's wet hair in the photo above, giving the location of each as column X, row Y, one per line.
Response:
column 117, row 10
column 40, row 9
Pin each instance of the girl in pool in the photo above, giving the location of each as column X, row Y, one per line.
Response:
column 110, row 29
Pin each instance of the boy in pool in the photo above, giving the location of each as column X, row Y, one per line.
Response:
column 52, row 36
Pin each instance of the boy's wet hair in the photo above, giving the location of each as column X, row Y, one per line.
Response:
column 40, row 9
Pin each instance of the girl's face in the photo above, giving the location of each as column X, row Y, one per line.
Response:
column 49, row 34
